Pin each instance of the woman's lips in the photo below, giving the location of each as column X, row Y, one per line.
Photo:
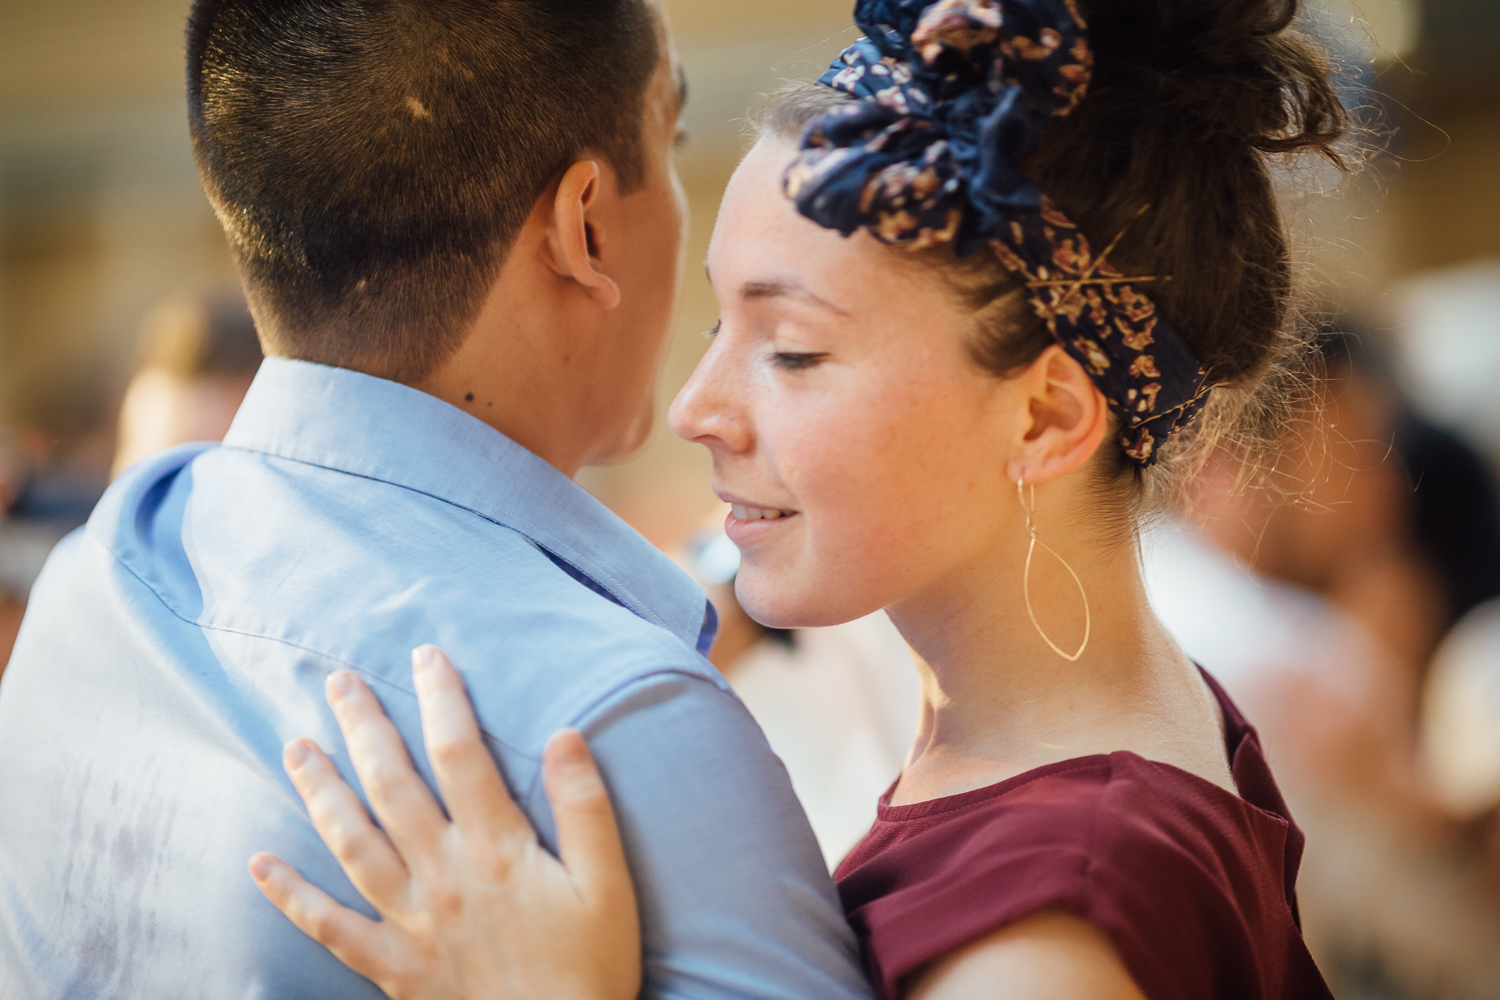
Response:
column 746, row 525
column 747, row 513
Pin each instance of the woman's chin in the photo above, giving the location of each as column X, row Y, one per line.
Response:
column 797, row 606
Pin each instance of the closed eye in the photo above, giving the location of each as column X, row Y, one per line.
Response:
column 711, row 334
column 796, row 361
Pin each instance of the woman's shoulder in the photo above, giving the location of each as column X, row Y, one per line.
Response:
column 1068, row 823
column 1171, row 866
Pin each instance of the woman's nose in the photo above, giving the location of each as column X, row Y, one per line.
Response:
column 709, row 410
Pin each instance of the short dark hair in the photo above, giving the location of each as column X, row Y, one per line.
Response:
column 372, row 161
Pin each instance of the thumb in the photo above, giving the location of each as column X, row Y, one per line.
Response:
column 588, row 838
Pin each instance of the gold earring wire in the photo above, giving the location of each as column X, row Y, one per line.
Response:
column 1026, row 579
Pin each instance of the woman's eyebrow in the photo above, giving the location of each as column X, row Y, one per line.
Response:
column 789, row 288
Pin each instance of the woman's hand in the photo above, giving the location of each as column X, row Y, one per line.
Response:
column 472, row 907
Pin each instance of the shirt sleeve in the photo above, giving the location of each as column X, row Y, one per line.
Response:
column 734, row 897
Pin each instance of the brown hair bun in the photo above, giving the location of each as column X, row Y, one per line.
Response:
column 1231, row 68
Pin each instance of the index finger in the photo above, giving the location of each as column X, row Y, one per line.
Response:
column 398, row 795
column 467, row 775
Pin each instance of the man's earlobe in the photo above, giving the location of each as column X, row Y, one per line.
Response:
column 573, row 242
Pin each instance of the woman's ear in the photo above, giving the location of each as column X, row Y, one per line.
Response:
column 1067, row 418
column 573, row 238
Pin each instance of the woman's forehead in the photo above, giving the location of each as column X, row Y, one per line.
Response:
column 754, row 195
column 762, row 242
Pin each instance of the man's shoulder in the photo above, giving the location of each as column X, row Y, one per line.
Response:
column 356, row 572
column 271, row 586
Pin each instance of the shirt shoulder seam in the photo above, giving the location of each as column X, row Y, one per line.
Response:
column 591, row 708
column 594, row 707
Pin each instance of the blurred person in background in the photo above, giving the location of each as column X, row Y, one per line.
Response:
column 195, row 358
column 55, row 449
column 1319, row 599
column 195, row 361
column 1460, row 734
column 13, row 589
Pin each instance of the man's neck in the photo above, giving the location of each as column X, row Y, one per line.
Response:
column 519, row 370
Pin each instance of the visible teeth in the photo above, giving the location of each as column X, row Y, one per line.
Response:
column 757, row 513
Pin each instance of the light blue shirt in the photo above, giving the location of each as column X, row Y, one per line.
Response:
column 175, row 643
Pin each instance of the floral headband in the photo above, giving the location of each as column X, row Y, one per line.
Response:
column 953, row 95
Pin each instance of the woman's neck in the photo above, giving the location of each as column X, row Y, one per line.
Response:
column 999, row 701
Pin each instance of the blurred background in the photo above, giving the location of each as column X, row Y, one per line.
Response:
column 1378, row 690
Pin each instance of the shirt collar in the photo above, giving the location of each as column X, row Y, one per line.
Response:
column 370, row 427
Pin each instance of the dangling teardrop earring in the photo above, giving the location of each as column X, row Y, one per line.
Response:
column 1026, row 579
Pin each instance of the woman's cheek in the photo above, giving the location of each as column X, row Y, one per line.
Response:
column 846, row 462
column 813, row 576
column 838, row 566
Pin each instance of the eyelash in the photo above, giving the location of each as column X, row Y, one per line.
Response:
column 793, row 361
column 796, row 362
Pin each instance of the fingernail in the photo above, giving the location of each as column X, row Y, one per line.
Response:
column 297, row 752
column 575, row 774
column 260, row 867
column 571, row 751
column 423, row 659
column 340, row 684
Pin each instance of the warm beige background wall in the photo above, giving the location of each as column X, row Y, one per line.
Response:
column 101, row 215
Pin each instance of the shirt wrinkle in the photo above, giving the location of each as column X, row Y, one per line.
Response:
column 581, row 718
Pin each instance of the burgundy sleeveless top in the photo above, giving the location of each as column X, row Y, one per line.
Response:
column 1192, row 884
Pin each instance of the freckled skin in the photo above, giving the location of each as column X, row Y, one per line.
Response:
column 889, row 447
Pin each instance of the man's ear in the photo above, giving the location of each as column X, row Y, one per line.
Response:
column 572, row 242
column 1067, row 419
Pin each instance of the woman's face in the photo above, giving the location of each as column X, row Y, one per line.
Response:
column 863, row 450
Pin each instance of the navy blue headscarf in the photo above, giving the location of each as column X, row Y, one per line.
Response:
column 952, row 97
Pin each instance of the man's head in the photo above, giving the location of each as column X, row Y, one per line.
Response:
column 374, row 161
